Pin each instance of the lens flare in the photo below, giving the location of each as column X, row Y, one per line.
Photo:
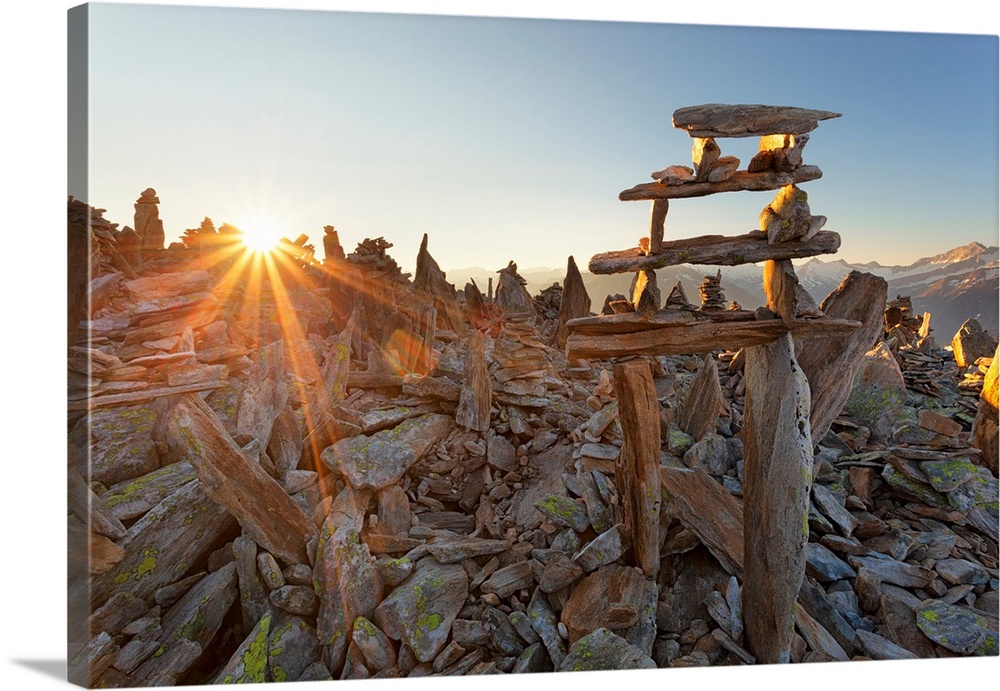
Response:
column 260, row 236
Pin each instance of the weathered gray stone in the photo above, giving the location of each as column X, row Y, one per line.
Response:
column 833, row 508
column 533, row 659
column 948, row 475
column 248, row 663
column 375, row 647
column 420, row 611
column 960, row 571
column 878, row 392
column 958, row 629
column 824, row 565
column 295, row 599
column 776, row 479
column 454, row 549
column 508, row 580
column 565, row 512
column 500, row 453
column 292, row 647
column 606, row 548
column 503, row 635
column 602, row 649
column 121, row 442
column 892, row 571
column 383, row 458
column 879, row 648
column 545, row 623
column 131, row 498
column 713, row 454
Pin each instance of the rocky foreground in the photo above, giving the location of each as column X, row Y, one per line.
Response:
column 312, row 478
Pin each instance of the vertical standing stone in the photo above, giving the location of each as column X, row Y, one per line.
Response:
column 147, row 220
column 777, row 450
column 637, row 467
column 474, row 402
column 780, row 283
column 984, row 430
column 657, row 217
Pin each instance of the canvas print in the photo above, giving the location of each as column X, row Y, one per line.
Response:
column 409, row 345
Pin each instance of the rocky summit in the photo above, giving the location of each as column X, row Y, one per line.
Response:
column 326, row 470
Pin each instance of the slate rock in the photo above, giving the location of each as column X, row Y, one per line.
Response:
column 455, row 549
column 383, row 458
column 824, row 565
column 978, row 493
column 606, row 548
column 248, row 663
column 420, row 610
column 546, row 624
column 959, row 629
column 296, row 599
column 374, row 646
column 121, row 442
column 508, row 580
column 292, row 647
column 500, row 453
column 713, row 454
column 603, row 650
column 533, row 659
column 948, row 475
column 879, row 392
column 565, row 512
column 834, row 509
column 889, row 570
column 961, row 571
column 503, row 635
column 879, row 648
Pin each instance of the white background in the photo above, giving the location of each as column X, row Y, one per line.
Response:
column 32, row 379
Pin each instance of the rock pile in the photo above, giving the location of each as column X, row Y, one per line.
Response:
column 272, row 495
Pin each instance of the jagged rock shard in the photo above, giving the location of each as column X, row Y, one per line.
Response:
column 743, row 120
column 704, row 402
column 430, row 279
column 228, row 476
column 575, row 301
column 830, row 364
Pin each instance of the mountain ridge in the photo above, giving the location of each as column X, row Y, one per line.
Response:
column 953, row 286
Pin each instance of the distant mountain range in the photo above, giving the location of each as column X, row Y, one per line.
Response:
column 952, row 286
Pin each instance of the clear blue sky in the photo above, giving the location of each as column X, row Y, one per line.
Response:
column 511, row 138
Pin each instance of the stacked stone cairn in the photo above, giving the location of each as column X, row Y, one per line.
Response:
column 776, row 439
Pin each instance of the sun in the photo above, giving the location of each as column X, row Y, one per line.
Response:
column 260, row 236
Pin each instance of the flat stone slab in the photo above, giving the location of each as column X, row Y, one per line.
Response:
column 747, row 120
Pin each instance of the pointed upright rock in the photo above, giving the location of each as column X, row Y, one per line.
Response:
column 575, row 301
